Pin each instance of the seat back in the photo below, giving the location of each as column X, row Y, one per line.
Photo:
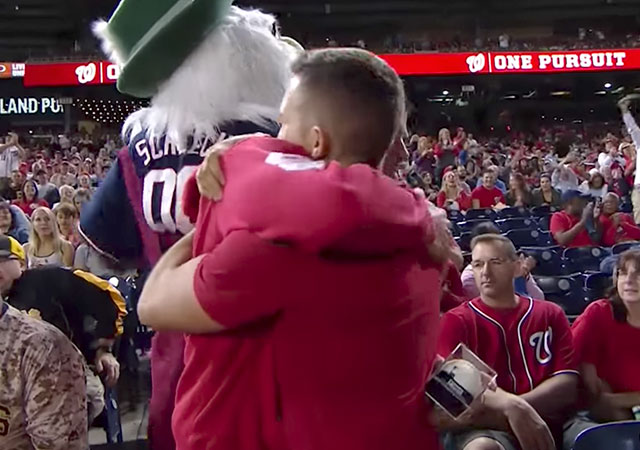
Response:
column 508, row 213
column 548, row 261
column 616, row 435
column 597, row 284
column 519, row 223
column 455, row 216
column 624, row 246
column 528, row 238
column 485, row 214
column 582, row 259
column 468, row 225
column 540, row 211
column 567, row 291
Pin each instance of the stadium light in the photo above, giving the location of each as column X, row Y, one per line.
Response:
column 445, row 92
column 607, row 85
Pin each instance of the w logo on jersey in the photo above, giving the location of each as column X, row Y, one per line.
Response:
column 541, row 342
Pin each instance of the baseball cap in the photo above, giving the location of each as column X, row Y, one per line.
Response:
column 569, row 195
column 10, row 249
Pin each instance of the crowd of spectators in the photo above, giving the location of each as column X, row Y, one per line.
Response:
column 584, row 40
column 585, row 178
column 44, row 184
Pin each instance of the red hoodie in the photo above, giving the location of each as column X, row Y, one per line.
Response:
column 334, row 331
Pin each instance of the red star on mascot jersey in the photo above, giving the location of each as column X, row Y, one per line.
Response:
column 212, row 71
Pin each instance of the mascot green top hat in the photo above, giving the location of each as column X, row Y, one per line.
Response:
column 150, row 39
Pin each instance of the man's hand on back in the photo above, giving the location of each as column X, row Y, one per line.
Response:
column 209, row 176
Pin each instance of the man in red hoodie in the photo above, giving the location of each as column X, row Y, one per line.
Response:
column 314, row 273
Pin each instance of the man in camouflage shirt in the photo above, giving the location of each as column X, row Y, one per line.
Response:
column 42, row 377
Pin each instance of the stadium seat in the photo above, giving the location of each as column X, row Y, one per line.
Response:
column 582, row 259
column 544, row 210
column 616, row 435
column 548, row 262
column 455, row 216
column 596, row 285
column 485, row 214
column 566, row 291
column 544, row 222
column 516, row 224
column 510, row 213
column 626, row 207
column 545, row 239
column 469, row 225
column 624, row 246
column 464, row 242
column 455, row 229
column 528, row 238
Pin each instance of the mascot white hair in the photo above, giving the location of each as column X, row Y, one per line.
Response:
column 211, row 70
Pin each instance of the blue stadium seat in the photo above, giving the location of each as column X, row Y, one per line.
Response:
column 548, row 262
column 545, row 239
column 544, row 222
column 464, row 242
column 544, row 210
column 582, row 259
column 512, row 212
column 520, row 223
column 626, row 207
column 455, row 216
column 528, row 238
column 455, row 229
column 616, row 435
column 624, row 246
column 469, row 225
column 566, row 291
column 596, row 285
column 485, row 214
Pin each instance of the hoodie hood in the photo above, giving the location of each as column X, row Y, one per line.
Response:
column 276, row 191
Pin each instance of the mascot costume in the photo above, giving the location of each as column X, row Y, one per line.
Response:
column 212, row 71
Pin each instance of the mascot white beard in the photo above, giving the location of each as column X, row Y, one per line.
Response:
column 237, row 73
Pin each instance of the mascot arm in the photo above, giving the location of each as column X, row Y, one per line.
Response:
column 108, row 221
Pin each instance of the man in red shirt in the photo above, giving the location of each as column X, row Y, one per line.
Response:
column 314, row 276
column 487, row 195
column 578, row 225
column 527, row 342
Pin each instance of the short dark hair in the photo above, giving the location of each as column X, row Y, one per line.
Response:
column 362, row 84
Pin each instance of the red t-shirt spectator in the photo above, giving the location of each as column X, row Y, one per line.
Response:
column 611, row 346
column 334, row 351
column 30, row 207
column 463, row 200
column 525, row 345
column 626, row 230
column 562, row 221
column 488, row 198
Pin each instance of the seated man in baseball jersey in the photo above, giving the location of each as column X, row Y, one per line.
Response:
column 42, row 382
column 527, row 342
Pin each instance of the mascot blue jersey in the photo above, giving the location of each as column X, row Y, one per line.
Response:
column 136, row 213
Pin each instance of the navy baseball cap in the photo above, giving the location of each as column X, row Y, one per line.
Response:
column 569, row 195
